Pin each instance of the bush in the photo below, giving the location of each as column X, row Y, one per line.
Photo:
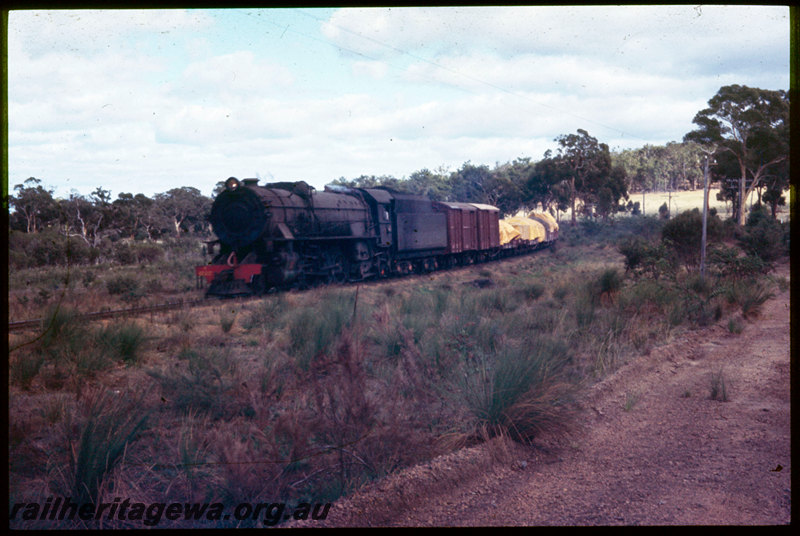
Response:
column 46, row 248
column 207, row 388
column 122, row 341
column 683, row 235
column 113, row 421
column 719, row 388
column 729, row 264
column 644, row 258
column 533, row 291
column 124, row 253
column 148, row 253
column 125, row 286
column 607, row 284
column 313, row 330
column 24, row 368
column 63, row 334
column 750, row 295
column 515, row 392
column 763, row 236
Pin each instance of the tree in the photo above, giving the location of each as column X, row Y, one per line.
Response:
column 473, row 184
column 133, row 214
column 611, row 191
column 34, row 204
column 752, row 126
column 434, row 185
column 509, row 181
column 541, row 183
column 81, row 217
column 577, row 155
column 587, row 164
column 184, row 207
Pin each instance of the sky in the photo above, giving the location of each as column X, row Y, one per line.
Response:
column 143, row 101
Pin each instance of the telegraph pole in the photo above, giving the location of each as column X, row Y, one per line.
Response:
column 705, row 221
column 705, row 213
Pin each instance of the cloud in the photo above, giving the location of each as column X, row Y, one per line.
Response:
column 371, row 69
column 150, row 100
column 661, row 39
column 239, row 73
column 92, row 31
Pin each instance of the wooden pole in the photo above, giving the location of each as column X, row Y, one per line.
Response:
column 705, row 221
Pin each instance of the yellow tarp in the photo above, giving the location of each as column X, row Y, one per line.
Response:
column 546, row 219
column 528, row 229
column 507, row 232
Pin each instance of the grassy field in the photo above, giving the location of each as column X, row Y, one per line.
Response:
column 687, row 200
column 305, row 396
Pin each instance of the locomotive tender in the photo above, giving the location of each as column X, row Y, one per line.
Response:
column 288, row 234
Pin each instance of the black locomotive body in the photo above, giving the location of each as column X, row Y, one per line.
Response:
column 287, row 234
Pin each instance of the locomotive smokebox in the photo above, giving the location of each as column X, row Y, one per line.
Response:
column 238, row 216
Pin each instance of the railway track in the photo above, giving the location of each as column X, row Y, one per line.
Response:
column 100, row 315
column 135, row 311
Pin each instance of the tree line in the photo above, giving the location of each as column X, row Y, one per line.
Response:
column 742, row 139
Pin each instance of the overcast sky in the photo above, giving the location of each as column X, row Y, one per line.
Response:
column 145, row 101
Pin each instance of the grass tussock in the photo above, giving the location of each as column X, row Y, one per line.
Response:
column 110, row 423
column 517, row 391
column 124, row 341
column 719, row 389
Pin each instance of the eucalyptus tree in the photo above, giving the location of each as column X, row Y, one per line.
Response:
column 33, row 205
column 750, row 126
column 586, row 164
column 184, row 208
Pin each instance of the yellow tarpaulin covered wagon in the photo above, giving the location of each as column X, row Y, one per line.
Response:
column 549, row 222
column 528, row 229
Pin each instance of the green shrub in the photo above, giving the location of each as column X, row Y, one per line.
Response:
column 124, row 253
column 735, row 325
column 206, row 387
column 645, row 258
column 749, row 294
column 533, row 291
column 631, row 398
column 122, row 341
column 113, row 421
column 515, row 392
column 560, row 292
column 313, row 330
column 719, row 387
column 608, row 283
column 763, row 236
column 125, row 286
column 48, row 247
column 266, row 312
column 683, row 235
column 148, row 253
column 24, row 368
column 63, row 333
column 226, row 321
column 727, row 263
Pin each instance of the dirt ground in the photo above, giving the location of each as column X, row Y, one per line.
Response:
column 653, row 448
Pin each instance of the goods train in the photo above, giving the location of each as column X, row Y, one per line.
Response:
column 287, row 234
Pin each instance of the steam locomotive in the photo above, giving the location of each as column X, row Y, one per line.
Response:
column 288, row 234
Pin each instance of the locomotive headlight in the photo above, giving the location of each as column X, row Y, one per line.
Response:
column 232, row 183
